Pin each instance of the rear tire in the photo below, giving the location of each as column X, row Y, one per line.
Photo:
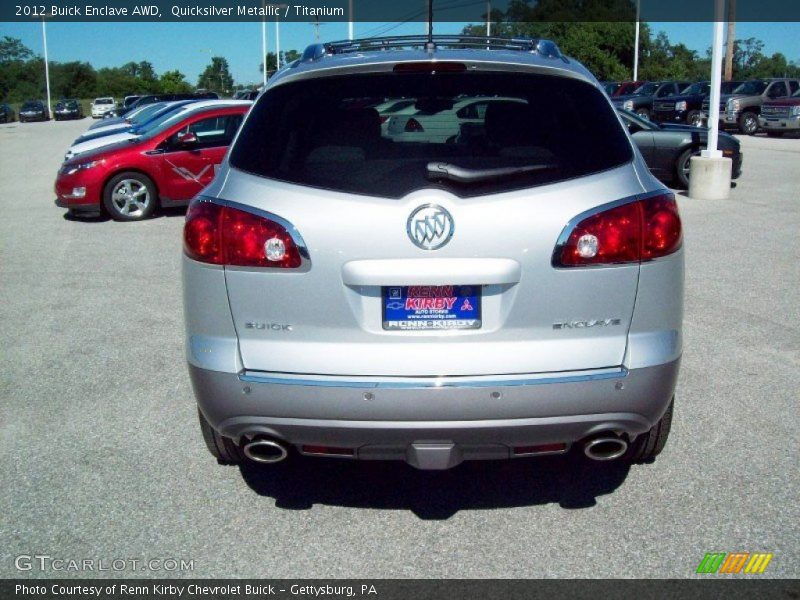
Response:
column 682, row 166
column 222, row 448
column 649, row 445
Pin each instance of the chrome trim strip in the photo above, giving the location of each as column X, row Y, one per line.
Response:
column 432, row 382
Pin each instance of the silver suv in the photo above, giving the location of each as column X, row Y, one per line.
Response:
column 510, row 289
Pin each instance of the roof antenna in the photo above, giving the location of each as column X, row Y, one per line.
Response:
column 430, row 46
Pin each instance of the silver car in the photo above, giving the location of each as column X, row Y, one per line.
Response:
column 515, row 290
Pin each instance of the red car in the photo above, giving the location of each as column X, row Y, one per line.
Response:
column 167, row 165
column 620, row 88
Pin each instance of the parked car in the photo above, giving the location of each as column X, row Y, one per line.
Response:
column 687, row 107
column 781, row 116
column 743, row 106
column 175, row 111
column 641, row 100
column 246, row 95
column 68, row 109
column 6, row 113
column 33, row 110
column 438, row 120
column 512, row 292
column 134, row 120
column 128, row 100
column 165, row 166
column 129, row 116
column 620, row 88
column 667, row 148
column 153, row 98
column 100, row 106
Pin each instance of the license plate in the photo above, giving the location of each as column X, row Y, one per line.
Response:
column 420, row 307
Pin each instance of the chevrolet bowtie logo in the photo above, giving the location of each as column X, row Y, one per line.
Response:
column 430, row 227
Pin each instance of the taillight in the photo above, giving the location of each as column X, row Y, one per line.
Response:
column 222, row 235
column 661, row 227
column 413, row 125
column 633, row 232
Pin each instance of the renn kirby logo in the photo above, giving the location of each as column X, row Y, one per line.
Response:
column 720, row 562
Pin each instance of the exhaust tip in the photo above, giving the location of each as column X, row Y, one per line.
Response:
column 265, row 451
column 605, row 448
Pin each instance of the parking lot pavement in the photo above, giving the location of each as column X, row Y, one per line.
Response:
column 101, row 455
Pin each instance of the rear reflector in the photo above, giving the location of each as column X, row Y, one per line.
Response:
column 413, row 125
column 540, row 449
column 328, row 450
column 633, row 232
column 222, row 235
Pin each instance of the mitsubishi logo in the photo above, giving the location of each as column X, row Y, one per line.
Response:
column 430, row 226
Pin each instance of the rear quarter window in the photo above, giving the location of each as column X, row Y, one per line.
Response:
column 327, row 132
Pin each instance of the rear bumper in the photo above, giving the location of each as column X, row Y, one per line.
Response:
column 483, row 417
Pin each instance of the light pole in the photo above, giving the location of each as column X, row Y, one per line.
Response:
column 710, row 173
column 716, row 78
column 277, row 43
column 636, row 46
column 46, row 68
column 350, row 22
column 264, row 46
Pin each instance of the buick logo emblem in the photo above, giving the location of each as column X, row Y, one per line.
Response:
column 430, row 227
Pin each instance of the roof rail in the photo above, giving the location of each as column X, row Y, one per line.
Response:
column 541, row 47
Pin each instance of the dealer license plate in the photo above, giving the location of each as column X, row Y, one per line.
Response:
column 420, row 307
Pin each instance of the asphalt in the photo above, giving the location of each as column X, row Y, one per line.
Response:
column 101, row 455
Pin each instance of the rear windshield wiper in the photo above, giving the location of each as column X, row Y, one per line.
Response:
column 442, row 170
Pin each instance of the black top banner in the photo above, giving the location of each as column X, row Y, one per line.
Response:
column 473, row 11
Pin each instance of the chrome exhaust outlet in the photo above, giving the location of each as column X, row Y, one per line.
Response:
column 605, row 448
column 262, row 450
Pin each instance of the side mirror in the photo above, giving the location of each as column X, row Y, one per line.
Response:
column 186, row 138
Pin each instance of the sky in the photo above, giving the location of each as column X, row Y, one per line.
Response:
column 188, row 46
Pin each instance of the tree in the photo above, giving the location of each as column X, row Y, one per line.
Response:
column 606, row 49
column 746, row 54
column 73, row 80
column 216, row 76
column 174, row 82
column 286, row 57
column 12, row 49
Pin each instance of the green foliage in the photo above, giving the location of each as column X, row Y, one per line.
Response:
column 606, row 47
column 286, row 57
column 174, row 82
column 216, row 76
column 749, row 62
column 12, row 49
column 22, row 77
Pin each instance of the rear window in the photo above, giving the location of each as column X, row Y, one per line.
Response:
column 104, row 101
column 331, row 133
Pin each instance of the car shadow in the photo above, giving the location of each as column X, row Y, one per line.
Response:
column 102, row 217
column 98, row 217
column 571, row 481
